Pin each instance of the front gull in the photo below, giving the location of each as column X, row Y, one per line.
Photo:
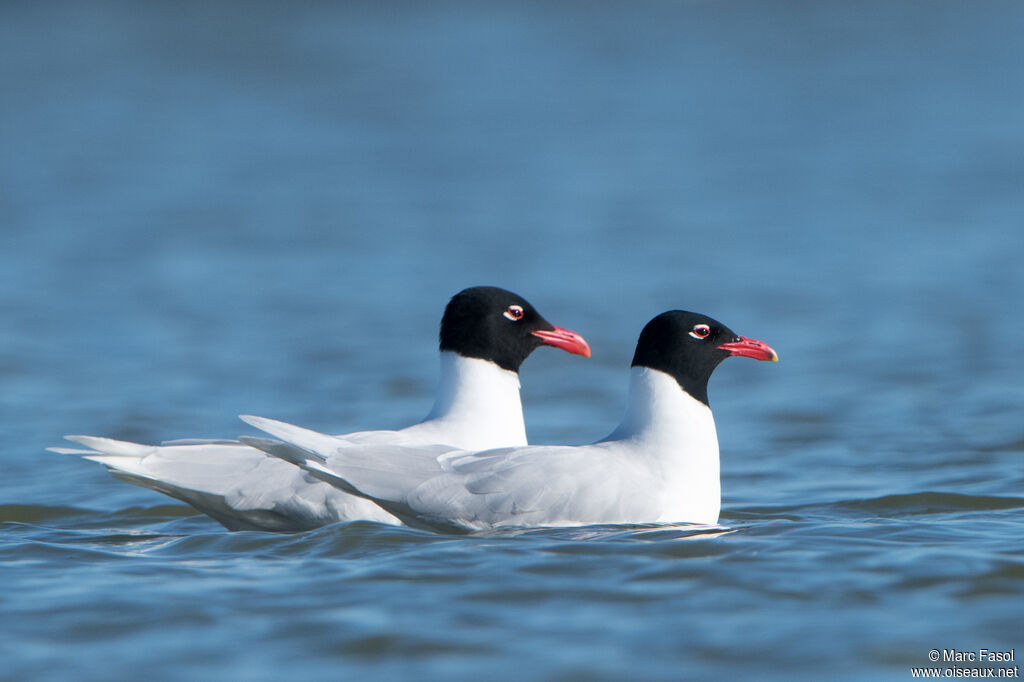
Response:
column 486, row 333
column 660, row 465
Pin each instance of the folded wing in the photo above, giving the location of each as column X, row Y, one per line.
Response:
column 240, row 487
column 442, row 488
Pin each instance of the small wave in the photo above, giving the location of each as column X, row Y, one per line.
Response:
column 29, row 513
column 650, row 531
column 897, row 505
column 40, row 514
column 160, row 510
column 935, row 503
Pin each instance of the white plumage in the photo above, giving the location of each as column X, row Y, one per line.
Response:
column 477, row 406
column 660, row 465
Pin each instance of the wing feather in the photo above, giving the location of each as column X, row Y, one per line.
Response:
column 239, row 486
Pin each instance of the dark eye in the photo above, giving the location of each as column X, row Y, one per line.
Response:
column 514, row 312
column 700, row 331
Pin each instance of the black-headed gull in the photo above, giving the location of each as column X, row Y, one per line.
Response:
column 660, row 465
column 486, row 333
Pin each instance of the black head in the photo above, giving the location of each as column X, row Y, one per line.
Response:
column 688, row 347
column 494, row 324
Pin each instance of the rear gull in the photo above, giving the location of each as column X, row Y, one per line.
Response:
column 486, row 333
column 661, row 465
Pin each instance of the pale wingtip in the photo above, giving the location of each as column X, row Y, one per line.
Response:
column 294, row 454
column 283, row 430
column 260, row 422
column 70, row 451
column 274, row 427
column 257, row 441
column 110, row 446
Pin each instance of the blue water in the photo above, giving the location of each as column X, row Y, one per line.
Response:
column 208, row 209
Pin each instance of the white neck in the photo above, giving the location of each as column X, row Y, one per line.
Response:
column 477, row 406
column 678, row 431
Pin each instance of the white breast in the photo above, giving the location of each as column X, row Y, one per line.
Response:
column 477, row 408
column 678, row 433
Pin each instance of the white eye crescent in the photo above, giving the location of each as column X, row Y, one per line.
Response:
column 700, row 331
column 514, row 312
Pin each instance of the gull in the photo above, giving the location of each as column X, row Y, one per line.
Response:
column 486, row 333
column 660, row 465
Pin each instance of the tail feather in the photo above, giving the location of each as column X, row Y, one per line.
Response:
column 290, row 453
column 71, row 451
column 313, row 442
column 234, row 484
column 109, row 446
column 200, row 441
column 128, row 465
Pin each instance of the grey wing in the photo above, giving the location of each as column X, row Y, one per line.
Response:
column 534, row 486
column 238, row 486
column 387, row 472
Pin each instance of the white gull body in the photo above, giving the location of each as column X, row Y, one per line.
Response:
column 477, row 407
column 660, row 465
column 486, row 333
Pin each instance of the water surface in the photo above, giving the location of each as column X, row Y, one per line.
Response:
column 210, row 211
